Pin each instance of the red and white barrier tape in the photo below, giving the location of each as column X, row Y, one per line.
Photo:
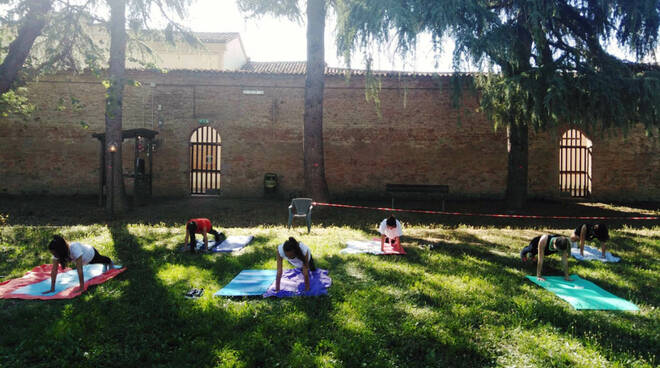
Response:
column 489, row 214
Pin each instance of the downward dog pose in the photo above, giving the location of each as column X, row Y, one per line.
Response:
column 79, row 253
column 299, row 255
column 200, row 226
column 390, row 230
column 545, row 245
column 589, row 232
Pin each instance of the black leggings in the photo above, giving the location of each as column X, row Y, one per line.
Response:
column 312, row 266
column 98, row 258
column 532, row 248
column 215, row 233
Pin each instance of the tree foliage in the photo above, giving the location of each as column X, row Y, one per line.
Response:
column 547, row 61
column 72, row 38
column 291, row 9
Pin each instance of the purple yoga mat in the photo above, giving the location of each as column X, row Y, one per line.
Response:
column 293, row 284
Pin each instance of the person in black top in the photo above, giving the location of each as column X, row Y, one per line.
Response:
column 590, row 232
column 545, row 245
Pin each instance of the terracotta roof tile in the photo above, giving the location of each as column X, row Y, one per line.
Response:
column 217, row 37
column 299, row 67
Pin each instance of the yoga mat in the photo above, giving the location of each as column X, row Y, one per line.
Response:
column 370, row 247
column 293, row 284
column 249, row 283
column 36, row 281
column 198, row 246
column 593, row 254
column 583, row 294
column 231, row 244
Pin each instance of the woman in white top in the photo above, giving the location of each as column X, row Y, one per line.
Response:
column 79, row 253
column 390, row 231
column 299, row 255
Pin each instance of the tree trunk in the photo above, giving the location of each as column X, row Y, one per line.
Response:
column 19, row 49
column 517, row 131
column 516, row 186
column 313, row 155
column 116, row 201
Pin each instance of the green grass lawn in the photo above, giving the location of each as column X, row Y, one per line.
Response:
column 464, row 303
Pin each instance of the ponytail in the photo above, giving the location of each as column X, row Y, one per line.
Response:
column 60, row 249
column 292, row 245
column 561, row 243
column 191, row 228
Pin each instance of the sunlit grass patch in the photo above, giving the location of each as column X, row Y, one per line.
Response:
column 463, row 303
column 540, row 347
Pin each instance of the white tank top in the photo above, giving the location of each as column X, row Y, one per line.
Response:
column 295, row 261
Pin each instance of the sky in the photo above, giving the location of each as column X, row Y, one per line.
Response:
column 279, row 39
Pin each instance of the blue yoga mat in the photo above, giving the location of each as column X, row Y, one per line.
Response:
column 64, row 281
column 583, row 294
column 249, row 283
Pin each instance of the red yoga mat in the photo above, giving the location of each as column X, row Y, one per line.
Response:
column 42, row 273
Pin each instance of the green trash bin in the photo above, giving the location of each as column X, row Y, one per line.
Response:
column 270, row 183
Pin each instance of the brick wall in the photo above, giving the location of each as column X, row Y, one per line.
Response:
column 419, row 138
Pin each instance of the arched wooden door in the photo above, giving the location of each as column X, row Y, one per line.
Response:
column 575, row 164
column 205, row 154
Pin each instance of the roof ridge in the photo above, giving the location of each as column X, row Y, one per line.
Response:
column 299, row 67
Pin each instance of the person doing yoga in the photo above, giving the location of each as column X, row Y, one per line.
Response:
column 201, row 226
column 390, row 232
column 299, row 255
column 543, row 245
column 590, row 232
column 78, row 253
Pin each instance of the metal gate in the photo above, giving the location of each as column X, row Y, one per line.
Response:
column 205, row 149
column 575, row 164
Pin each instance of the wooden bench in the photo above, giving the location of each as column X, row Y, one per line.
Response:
column 417, row 188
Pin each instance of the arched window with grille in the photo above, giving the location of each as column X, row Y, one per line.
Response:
column 575, row 164
column 205, row 154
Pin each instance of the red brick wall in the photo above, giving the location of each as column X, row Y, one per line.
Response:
column 419, row 138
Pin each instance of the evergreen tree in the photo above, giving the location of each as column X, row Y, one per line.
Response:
column 546, row 60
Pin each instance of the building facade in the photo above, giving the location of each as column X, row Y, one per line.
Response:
column 254, row 118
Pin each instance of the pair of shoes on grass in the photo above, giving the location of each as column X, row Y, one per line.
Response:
column 108, row 267
column 194, row 293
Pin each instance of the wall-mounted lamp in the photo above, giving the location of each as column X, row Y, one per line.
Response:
column 112, row 147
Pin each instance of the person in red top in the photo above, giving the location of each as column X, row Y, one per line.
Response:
column 200, row 226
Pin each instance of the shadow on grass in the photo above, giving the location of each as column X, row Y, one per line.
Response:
column 429, row 308
column 259, row 211
column 615, row 331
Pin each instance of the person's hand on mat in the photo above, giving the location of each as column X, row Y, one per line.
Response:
column 540, row 278
column 49, row 291
column 568, row 278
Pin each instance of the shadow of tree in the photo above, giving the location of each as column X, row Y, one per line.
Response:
column 430, row 308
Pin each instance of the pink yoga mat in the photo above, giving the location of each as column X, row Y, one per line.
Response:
column 26, row 287
column 389, row 249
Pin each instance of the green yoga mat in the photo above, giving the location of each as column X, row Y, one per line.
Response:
column 583, row 294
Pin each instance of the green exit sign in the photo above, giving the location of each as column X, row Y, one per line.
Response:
column 203, row 121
